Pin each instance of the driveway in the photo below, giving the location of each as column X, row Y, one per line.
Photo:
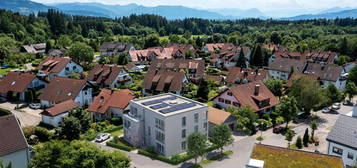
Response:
column 31, row 118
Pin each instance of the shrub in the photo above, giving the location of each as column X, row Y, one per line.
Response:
column 116, row 121
column 156, row 156
column 4, row 112
column 28, row 131
column 45, row 125
column 89, row 135
column 298, row 142
column 43, row 134
column 120, row 146
column 306, row 138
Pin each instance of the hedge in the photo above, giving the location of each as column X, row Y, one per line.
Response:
column 113, row 129
column 157, row 157
column 120, row 146
column 4, row 112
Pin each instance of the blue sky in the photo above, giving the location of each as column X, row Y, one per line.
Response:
column 263, row 5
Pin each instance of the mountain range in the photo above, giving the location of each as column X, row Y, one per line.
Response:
column 170, row 12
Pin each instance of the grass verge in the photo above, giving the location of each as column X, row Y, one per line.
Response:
column 212, row 159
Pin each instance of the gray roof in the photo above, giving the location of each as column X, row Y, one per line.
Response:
column 344, row 132
column 286, row 65
column 324, row 72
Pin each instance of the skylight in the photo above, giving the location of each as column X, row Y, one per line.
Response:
column 13, row 83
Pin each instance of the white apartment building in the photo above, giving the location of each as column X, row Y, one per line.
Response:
column 164, row 122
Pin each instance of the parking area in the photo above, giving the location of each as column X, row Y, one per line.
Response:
column 26, row 115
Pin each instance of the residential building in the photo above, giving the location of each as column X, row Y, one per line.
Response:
column 237, row 75
column 112, row 48
column 13, row 144
column 210, row 47
column 180, row 50
column 164, row 122
column 18, row 83
column 328, row 74
column 273, row 47
column 320, row 57
column 228, row 56
column 150, row 54
column 264, row 156
column 56, row 52
column 349, row 66
column 110, row 103
column 254, row 94
column 164, row 81
column 283, row 67
column 218, row 117
column 61, row 89
column 109, row 76
column 131, row 67
column 342, row 139
column 55, row 114
column 284, row 54
column 58, row 66
column 296, row 76
column 34, row 48
column 191, row 67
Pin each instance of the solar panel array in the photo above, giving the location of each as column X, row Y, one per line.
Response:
column 158, row 100
column 159, row 106
column 177, row 107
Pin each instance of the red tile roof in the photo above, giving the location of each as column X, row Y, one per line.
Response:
column 296, row 76
column 273, row 47
column 61, row 89
column 60, row 108
column 245, row 73
column 16, row 82
column 109, row 98
column 217, row 46
column 178, row 64
column 12, row 139
column 104, row 74
column 217, row 116
column 53, row 64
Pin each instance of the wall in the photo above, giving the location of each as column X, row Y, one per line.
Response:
column 18, row 159
column 346, row 161
column 225, row 96
column 54, row 121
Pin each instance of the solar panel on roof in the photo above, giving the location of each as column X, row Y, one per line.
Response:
column 159, row 106
column 158, row 100
column 178, row 107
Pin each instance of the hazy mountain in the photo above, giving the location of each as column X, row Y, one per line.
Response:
column 334, row 10
column 241, row 13
column 341, row 14
column 23, row 6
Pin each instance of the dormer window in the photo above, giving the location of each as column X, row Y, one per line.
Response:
column 13, row 83
column 69, row 94
column 230, row 94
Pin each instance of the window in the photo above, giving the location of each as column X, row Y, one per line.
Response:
column 183, row 133
column 227, row 101
column 159, row 124
column 196, row 128
column 350, row 155
column 183, row 145
column 126, row 124
column 221, row 100
column 236, row 104
column 160, row 148
column 183, row 121
column 337, row 150
column 74, row 68
column 133, row 111
column 229, row 93
column 159, row 136
column 196, row 118
column 205, row 125
column 149, row 131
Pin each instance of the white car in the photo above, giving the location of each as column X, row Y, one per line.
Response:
column 336, row 106
column 102, row 137
column 35, row 106
column 325, row 110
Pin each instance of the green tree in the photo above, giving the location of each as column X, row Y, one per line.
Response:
column 83, row 116
column 247, row 119
column 4, row 53
column 343, row 48
column 298, row 142
column 123, row 58
column 341, row 60
column 3, row 165
column 70, row 128
column 196, row 145
column 81, row 52
column 351, row 90
column 289, row 135
column 263, row 125
column 257, row 57
column 152, row 40
column 334, row 94
column 221, row 136
column 352, row 75
column 241, row 62
column 203, row 90
column 76, row 154
column 306, row 138
column 313, row 126
column 287, row 109
column 275, row 86
column 74, row 75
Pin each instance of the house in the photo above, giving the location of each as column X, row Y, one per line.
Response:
column 112, row 48
column 110, row 103
column 284, row 54
column 34, row 48
column 237, row 75
column 320, row 57
column 18, row 83
column 150, row 54
column 13, row 144
column 55, row 114
column 164, row 81
column 58, row 66
column 296, row 76
column 283, row 67
column 328, row 74
column 210, row 47
column 56, row 52
column 349, row 66
column 192, row 68
column 180, row 50
column 266, row 156
column 131, row 67
column 218, row 117
column 254, row 94
column 109, row 76
column 61, row 89
column 342, row 139
column 273, row 47
column 164, row 122
column 228, row 56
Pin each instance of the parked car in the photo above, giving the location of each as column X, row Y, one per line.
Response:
column 336, row 106
column 102, row 137
column 325, row 110
column 35, row 106
column 277, row 129
column 347, row 103
column 5, row 66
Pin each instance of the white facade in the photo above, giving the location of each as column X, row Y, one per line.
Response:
column 348, row 154
column 68, row 69
column 167, row 132
column 55, row 120
column 279, row 74
column 122, row 79
column 18, row 159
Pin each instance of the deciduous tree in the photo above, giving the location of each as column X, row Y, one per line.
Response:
column 221, row 136
column 196, row 145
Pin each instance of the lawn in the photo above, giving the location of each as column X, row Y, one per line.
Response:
column 4, row 71
column 276, row 157
column 214, row 158
column 117, row 132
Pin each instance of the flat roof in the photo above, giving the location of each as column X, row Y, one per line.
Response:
column 169, row 104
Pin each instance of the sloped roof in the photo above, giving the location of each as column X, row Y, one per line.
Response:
column 178, row 64
column 273, row 47
column 12, row 139
column 35, row 48
column 115, row 47
column 287, row 65
column 296, row 76
column 217, row 116
column 245, row 73
column 16, row 82
column 60, row 108
column 61, row 89
column 53, row 64
column 104, row 73
column 109, row 98
column 216, row 46
column 324, row 72
column 344, row 131
column 162, row 78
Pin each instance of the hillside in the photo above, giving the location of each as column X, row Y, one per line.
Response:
column 23, row 6
column 333, row 15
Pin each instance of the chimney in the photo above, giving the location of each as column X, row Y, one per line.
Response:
column 256, row 89
column 354, row 111
column 245, row 74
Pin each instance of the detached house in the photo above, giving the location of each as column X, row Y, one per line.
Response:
column 192, row 68
column 58, row 66
column 327, row 75
column 283, row 67
column 150, row 54
column 254, row 94
column 218, row 117
column 164, row 81
column 18, row 83
column 61, row 89
column 112, row 48
column 180, row 50
column 13, row 144
column 228, row 56
column 109, row 104
column 320, row 57
column 238, row 75
column 273, row 47
column 34, row 48
column 131, row 67
column 210, row 47
column 55, row 114
column 109, row 76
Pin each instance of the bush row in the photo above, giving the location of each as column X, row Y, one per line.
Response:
column 120, row 146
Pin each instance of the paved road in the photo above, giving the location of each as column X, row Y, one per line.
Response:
column 25, row 119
